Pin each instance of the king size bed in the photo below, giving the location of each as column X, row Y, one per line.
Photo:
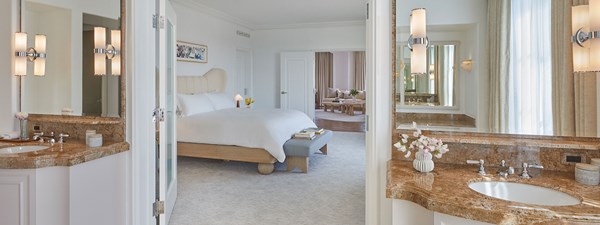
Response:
column 211, row 127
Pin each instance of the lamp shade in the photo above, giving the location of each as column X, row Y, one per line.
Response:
column 418, row 60
column 99, row 57
column 238, row 97
column 39, row 68
column 115, row 40
column 418, row 23
column 20, row 47
column 594, row 20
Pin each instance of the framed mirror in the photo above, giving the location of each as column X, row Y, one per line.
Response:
column 513, row 70
column 70, row 85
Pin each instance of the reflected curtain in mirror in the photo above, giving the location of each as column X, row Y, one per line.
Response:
column 359, row 70
column 324, row 75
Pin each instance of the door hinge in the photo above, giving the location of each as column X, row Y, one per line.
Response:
column 366, row 122
column 158, row 208
column 158, row 22
column 367, row 10
column 158, row 114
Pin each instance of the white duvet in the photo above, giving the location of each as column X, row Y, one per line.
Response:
column 253, row 128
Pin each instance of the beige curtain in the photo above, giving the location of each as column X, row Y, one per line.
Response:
column 574, row 96
column 499, row 36
column 359, row 70
column 324, row 75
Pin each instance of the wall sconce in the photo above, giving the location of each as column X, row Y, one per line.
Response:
column 24, row 54
column 418, row 42
column 102, row 51
column 586, row 37
column 467, row 65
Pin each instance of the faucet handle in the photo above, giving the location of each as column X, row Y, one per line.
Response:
column 62, row 137
column 481, row 170
column 525, row 173
column 503, row 163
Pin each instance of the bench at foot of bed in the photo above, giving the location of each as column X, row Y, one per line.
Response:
column 298, row 151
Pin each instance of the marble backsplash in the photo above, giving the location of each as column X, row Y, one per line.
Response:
column 112, row 129
column 550, row 152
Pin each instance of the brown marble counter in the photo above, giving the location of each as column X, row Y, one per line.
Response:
column 446, row 190
column 67, row 154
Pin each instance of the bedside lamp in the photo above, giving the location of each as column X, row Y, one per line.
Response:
column 237, row 99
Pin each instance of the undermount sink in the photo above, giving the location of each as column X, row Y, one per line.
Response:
column 524, row 193
column 21, row 149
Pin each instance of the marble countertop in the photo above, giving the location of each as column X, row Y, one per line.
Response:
column 446, row 190
column 66, row 154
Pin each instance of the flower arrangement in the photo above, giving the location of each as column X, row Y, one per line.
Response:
column 353, row 92
column 249, row 101
column 420, row 142
column 21, row 115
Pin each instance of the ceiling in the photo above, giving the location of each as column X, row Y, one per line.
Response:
column 281, row 13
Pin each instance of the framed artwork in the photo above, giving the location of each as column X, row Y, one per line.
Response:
column 190, row 52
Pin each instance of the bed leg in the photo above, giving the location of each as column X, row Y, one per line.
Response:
column 324, row 149
column 266, row 168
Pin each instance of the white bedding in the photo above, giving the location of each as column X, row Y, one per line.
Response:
column 252, row 128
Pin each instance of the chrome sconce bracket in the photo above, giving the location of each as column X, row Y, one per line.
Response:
column 581, row 37
column 417, row 41
column 110, row 51
column 31, row 54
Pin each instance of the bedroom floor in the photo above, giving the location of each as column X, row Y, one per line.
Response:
column 216, row 192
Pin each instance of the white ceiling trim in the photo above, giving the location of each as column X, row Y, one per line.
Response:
column 216, row 13
column 227, row 17
column 313, row 25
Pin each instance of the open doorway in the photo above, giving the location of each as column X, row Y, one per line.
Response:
column 340, row 99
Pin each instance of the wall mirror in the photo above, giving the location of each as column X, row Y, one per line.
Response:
column 512, row 69
column 70, row 86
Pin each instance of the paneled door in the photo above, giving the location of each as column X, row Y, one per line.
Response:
column 298, row 82
column 166, row 154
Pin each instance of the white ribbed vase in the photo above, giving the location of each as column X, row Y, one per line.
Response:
column 423, row 162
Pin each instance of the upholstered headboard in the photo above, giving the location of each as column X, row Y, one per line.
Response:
column 214, row 80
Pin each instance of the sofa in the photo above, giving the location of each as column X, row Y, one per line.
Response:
column 333, row 93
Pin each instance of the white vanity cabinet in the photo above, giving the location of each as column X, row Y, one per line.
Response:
column 89, row 193
column 409, row 213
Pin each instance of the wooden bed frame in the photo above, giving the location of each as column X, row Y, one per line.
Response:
column 215, row 80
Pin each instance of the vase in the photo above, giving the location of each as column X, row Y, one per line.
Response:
column 24, row 133
column 423, row 162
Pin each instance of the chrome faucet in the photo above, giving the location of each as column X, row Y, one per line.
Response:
column 504, row 170
column 481, row 170
column 525, row 173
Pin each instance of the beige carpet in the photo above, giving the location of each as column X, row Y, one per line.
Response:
column 338, row 116
column 333, row 192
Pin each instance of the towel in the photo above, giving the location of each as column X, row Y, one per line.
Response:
column 9, row 134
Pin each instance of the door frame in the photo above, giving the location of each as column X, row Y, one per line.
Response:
column 139, row 127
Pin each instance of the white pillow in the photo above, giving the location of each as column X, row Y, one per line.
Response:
column 194, row 104
column 221, row 100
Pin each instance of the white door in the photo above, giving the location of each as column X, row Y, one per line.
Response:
column 166, row 170
column 243, row 71
column 298, row 82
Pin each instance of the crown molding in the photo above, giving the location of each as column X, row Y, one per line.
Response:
column 312, row 25
column 216, row 13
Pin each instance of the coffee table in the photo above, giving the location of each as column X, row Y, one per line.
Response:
column 333, row 105
column 350, row 106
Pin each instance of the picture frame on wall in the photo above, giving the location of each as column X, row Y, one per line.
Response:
column 190, row 52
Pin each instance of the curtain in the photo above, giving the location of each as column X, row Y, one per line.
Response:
column 324, row 75
column 563, row 95
column 359, row 70
column 498, row 36
column 530, row 68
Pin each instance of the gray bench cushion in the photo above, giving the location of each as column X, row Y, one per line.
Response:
column 303, row 147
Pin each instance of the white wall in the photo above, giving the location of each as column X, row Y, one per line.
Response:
column 341, row 70
column 471, row 13
column 267, row 44
column 219, row 35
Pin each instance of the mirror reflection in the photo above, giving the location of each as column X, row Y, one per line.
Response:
column 436, row 88
column 512, row 71
column 69, row 86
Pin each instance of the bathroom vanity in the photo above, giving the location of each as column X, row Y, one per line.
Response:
column 67, row 183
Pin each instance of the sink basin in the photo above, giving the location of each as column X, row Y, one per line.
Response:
column 21, row 149
column 524, row 193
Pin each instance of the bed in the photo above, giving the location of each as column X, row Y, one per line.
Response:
column 227, row 133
